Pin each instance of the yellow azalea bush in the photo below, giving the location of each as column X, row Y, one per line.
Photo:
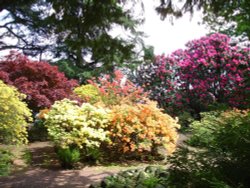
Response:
column 88, row 93
column 14, row 116
column 141, row 127
column 70, row 125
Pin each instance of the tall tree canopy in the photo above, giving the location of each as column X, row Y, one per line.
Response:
column 76, row 30
column 235, row 15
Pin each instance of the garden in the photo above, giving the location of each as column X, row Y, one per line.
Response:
column 201, row 92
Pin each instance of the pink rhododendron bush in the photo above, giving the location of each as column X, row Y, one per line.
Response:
column 210, row 70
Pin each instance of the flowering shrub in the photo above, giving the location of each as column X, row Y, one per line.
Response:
column 209, row 70
column 42, row 83
column 14, row 116
column 113, row 90
column 140, row 128
column 212, row 70
column 157, row 78
column 70, row 125
column 88, row 93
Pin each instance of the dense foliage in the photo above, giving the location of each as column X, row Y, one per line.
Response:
column 14, row 116
column 70, row 125
column 141, row 128
column 210, row 70
column 222, row 157
column 115, row 89
column 42, row 83
column 68, row 156
column 136, row 125
column 77, row 33
column 149, row 177
column 6, row 159
column 221, row 160
column 89, row 93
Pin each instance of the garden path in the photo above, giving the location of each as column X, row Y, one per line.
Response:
column 44, row 171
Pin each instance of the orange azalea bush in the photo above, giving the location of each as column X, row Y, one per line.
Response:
column 141, row 128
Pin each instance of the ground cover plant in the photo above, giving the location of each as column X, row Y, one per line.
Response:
column 5, row 161
column 42, row 83
column 150, row 177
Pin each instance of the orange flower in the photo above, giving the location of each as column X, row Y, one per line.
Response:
column 126, row 139
column 132, row 147
column 42, row 113
column 125, row 149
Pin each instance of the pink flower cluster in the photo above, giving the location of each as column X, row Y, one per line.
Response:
column 208, row 70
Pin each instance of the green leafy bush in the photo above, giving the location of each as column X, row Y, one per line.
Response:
column 68, row 156
column 203, row 130
column 83, row 127
column 14, row 116
column 149, row 177
column 223, row 156
column 5, row 162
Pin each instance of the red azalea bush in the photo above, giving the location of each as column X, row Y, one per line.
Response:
column 42, row 83
column 210, row 70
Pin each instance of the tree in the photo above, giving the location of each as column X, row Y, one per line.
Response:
column 25, row 25
column 217, row 13
column 73, row 30
column 42, row 83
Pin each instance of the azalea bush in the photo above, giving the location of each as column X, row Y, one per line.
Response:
column 42, row 83
column 14, row 115
column 139, row 128
column 73, row 126
column 114, row 89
